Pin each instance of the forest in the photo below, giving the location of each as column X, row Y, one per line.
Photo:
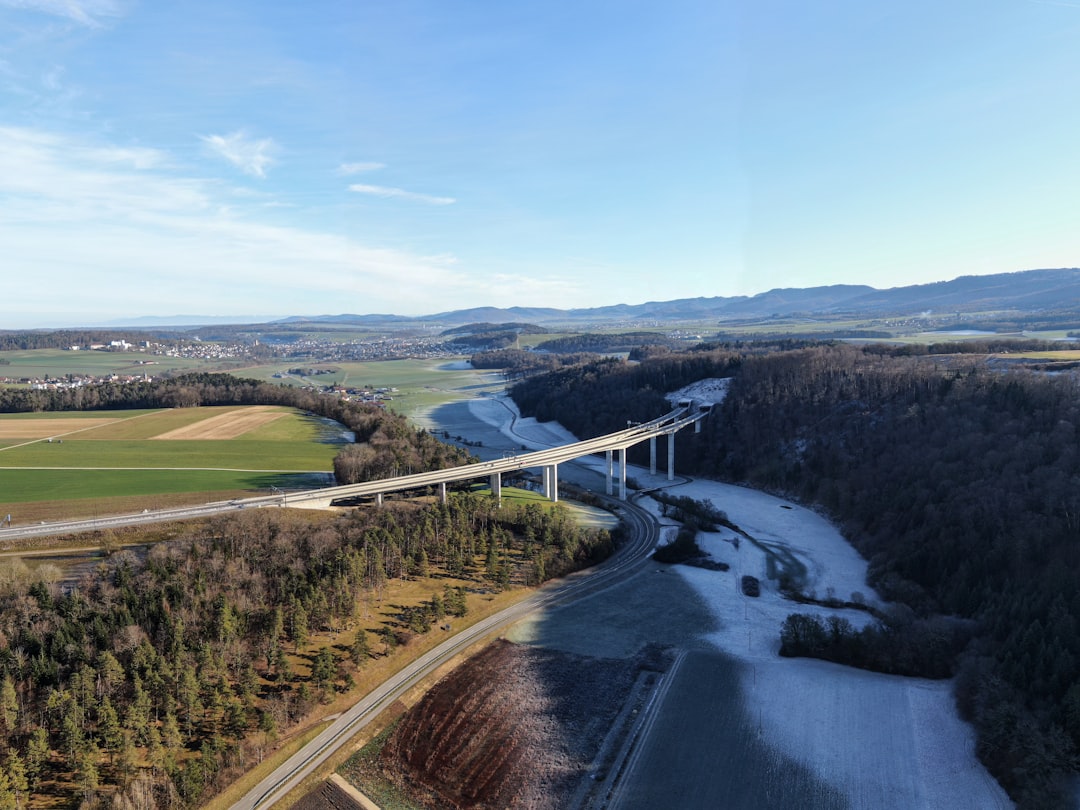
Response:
column 66, row 338
column 161, row 676
column 606, row 343
column 516, row 364
column 488, row 336
column 959, row 483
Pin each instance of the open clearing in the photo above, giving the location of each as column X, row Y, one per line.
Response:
column 228, row 425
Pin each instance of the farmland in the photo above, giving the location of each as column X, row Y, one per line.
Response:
column 87, row 459
column 56, row 363
column 419, row 384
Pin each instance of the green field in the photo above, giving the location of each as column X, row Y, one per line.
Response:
column 1066, row 355
column 420, row 384
column 103, row 462
column 57, row 363
column 29, row 486
column 235, row 454
column 124, row 454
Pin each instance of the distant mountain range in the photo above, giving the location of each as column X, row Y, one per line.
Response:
column 1025, row 291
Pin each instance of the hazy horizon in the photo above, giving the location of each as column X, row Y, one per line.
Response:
column 419, row 158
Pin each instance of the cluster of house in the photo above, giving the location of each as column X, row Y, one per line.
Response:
column 196, row 349
column 378, row 396
column 73, row 381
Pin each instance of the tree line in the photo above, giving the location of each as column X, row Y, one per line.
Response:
column 605, row 343
column 517, row 364
column 66, row 338
column 959, row 483
column 162, row 675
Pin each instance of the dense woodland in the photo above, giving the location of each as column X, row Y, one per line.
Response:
column 66, row 338
column 960, row 484
column 488, row 336
column 606, row 343
column 161, row 676
column 516, row 364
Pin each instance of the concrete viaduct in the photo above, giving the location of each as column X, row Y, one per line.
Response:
column 547, row 460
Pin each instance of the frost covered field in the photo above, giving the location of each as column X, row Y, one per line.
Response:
column 868, row 740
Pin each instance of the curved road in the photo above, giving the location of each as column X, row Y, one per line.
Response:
column 643, row 534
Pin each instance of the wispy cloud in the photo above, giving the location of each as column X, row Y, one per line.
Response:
column 140, row 238
column 357, row 168
column 400, row 193
column 85, row 12
column 251, row 156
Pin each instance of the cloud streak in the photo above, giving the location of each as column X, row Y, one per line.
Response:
column 401, row 194
column 357, row 168
column 140, row 238
column 84, row 12
column 249, row 155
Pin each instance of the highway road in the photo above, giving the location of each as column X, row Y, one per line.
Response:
column 642, row 536
column 668, row 423
column 145, row 517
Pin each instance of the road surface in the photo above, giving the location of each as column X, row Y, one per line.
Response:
column 642, row 536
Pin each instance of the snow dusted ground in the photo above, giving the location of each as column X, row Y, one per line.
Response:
column 882, row 741
column 711, row 391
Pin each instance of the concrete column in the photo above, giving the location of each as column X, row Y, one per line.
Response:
column 622, row 473
column 378, row 499
column 442, row 492
column 697, row 426
column 496, row 487
column 609, row 472
column 671, row 457
column 652, row 455
column 551, row 482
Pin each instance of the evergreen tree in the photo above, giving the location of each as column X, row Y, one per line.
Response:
column 17, row 777
column 37, row 754
column 323, row 668
column 360, row 650
column 87, row 774
column 9, row 707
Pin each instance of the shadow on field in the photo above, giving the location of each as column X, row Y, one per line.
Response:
column 455, row 419
column 703, row 748
column 266, row 483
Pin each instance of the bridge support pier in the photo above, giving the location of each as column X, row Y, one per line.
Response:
column 671, row 457
column 551, row 482
column 496, row 488
column 610, row 472
column 652, row 455
column 622, row 473
column 442, row 492
column 378, row 499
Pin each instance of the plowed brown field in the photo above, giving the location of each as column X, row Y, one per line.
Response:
column 514, row 726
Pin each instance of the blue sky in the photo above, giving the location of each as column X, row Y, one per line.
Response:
column 265, row 159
